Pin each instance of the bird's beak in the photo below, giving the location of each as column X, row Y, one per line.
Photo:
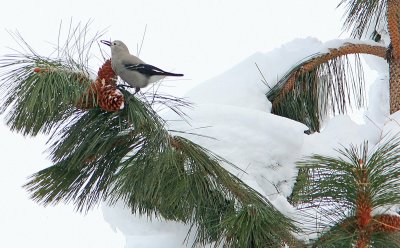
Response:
column 106, row 42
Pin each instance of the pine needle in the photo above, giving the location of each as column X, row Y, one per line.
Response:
column 339, row 189
column 360, row 15
column 128, row 155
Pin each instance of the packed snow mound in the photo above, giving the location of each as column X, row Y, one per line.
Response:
column 243, row 84
column 255, row 141
column 378, row 92
column 392, row 126
column 339, row 132
column 233, row 110
column 144, row 232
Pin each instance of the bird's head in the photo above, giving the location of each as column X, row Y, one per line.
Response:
column 116, row 46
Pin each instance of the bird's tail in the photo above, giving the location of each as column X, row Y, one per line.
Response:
column 165, row 73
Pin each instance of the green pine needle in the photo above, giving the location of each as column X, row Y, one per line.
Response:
column 103, row 156
column 333, row 186
column 360, row 15
column 38, row 101
column 331, row 88
column 128, row 155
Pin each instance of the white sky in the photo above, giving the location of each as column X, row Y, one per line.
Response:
column 198, row 38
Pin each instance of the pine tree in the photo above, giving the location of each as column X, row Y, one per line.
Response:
column 107, row 144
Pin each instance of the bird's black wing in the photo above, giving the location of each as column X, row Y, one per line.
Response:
column 149, row 70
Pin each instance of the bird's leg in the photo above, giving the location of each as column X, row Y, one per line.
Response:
column 123, row 86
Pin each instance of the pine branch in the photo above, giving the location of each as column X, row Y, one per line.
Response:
column 128, row 155
column 103, row 156
column 39, row 92
column 37, row 101
column 322, row 84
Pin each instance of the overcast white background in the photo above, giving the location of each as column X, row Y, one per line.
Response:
column 198, row 38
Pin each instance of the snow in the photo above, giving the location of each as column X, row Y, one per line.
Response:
column 339, row 132
column 266, row 149
column 378, row 92
column 230, row 107
column 336, row 43
column 242, row 85
column 392, row 126
column 145, row 232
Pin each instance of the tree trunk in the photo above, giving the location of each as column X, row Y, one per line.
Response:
column 394, row 75
column 393, row 12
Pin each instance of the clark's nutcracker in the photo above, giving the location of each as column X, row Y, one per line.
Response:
column 133, row 70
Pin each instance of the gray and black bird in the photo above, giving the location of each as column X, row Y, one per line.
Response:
column 133, row 70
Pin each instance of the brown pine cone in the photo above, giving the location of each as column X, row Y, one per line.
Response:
column 107, row 73
column 110, row 98
column 103, row 90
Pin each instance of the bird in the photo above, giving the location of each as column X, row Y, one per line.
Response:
column 132, row 69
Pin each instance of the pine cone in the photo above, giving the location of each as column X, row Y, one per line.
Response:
column 107, row 73
column 110, row 98
column 104, row 91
